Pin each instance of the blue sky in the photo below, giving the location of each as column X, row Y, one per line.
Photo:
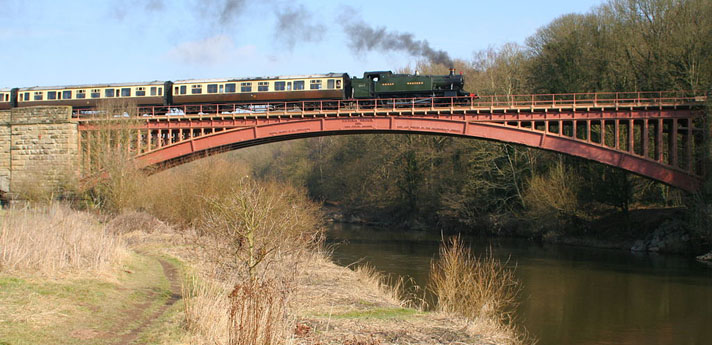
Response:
column 90, row 41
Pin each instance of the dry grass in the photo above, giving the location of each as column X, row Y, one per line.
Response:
column 482, row 289
column 336, row 305
column 394, row 289
column 55, row 241
column 206, row 310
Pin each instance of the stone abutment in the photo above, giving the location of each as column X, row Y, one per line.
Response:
column 38, row 150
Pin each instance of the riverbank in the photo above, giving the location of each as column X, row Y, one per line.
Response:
column 642, row 230
column 163, row 290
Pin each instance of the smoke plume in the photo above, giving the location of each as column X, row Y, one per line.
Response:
column 366, row 38
column 294, row 24
column 228, row 9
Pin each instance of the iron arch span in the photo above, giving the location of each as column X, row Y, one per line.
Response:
column 258, row 134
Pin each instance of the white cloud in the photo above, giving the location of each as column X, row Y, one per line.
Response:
column 214, row 50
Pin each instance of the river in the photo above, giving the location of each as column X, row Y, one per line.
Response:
column 571, row 295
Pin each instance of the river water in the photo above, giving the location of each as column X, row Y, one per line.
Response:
column 571, row 295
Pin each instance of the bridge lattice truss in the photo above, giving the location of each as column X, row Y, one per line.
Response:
column 659, row 135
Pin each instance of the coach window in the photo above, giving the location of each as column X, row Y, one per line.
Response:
column 213, row 88
column 27, row 96
column 299, row 85
column 38, row 95
column 95, row 93
column 196, row 89
column 140, row 91
column 81, row 94
column 51, row 95
column 338, row 84
column 330, row 84
column 160, row 91
column 279, row 85
column 183, row 90
column 222, row 88
column 67, row 94
column 153, row 90
column 263, row 86
column 315, row 85
column 230, row 87
column 109, row 93
column 246, row 87
column 126, row 92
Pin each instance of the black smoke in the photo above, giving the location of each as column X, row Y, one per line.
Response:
column 363, row 37
column 294, row 25
column 228, row 10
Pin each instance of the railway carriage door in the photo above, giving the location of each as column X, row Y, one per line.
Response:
column 14, row 97
column 289, row 86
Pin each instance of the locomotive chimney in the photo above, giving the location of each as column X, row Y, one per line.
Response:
column 452, row 71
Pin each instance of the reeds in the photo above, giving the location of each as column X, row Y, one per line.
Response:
column 482, row 289
column 54, row 241
column 473, row 286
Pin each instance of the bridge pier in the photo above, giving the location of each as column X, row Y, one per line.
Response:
column 38, row 149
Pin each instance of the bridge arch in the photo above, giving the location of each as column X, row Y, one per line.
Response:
column 267, row 131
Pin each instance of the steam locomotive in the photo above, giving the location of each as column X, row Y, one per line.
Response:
column 332, row 86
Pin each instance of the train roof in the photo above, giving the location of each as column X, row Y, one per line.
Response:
column 89, row 86
column 184, row 81
column 306, row 76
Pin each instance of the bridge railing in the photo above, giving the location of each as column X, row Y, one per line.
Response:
column 492, row 102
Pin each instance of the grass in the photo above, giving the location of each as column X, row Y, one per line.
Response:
column 56, row 241
column 37, row 310
column 376, row 313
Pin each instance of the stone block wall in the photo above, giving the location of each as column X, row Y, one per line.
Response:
column 38, row 148
column 4, row 151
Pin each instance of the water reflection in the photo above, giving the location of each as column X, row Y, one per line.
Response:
column 572, row 295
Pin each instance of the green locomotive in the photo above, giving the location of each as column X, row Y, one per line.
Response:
column 386, row 84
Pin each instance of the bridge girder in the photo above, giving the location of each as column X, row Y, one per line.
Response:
column 268, row 131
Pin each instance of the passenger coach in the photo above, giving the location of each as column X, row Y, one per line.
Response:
column 284, row 88
column 82, row 96
column 5, row 98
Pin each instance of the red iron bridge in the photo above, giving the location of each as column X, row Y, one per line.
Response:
column 659, row 135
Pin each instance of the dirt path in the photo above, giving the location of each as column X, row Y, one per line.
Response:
column 138, row 311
